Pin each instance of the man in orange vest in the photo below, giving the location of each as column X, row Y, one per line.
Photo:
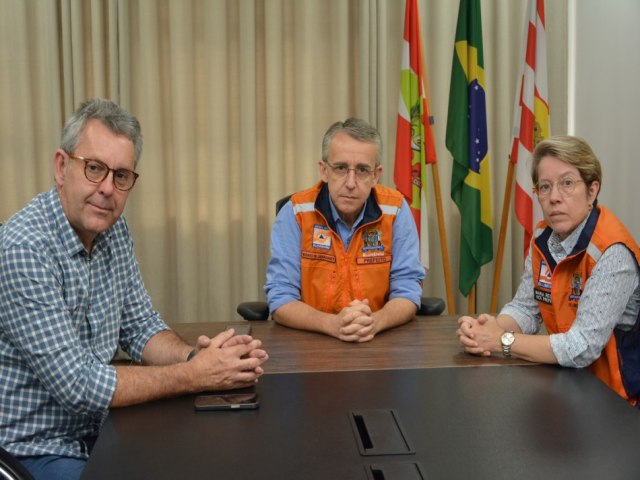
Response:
column 344, row 253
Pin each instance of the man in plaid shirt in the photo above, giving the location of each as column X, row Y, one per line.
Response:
column 71, row 292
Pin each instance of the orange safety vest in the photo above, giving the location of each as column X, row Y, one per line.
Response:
column 332, row 277
column 558, row 287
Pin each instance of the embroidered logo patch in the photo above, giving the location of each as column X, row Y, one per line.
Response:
column 372, row 240
column 373, row 250
column 576, row 288
column 544, row 275
column 321, row 237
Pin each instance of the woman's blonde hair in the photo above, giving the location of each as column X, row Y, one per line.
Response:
column 571, row 150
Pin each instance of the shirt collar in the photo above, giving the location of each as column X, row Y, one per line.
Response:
column 566, row 246
column 336, row 215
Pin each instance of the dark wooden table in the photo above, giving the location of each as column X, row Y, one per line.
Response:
column 526, row 423
column 425, row 342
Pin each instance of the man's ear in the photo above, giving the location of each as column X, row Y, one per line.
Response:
column 59, row 166
column 377, row 172
column 324, row 171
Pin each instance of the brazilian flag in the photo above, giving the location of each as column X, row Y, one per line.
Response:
column 466, row 139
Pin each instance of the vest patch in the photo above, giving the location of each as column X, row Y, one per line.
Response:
column 318, row 256
column 374, row 259
column 372, row 240
column 321, row 237
column 373, row 250
column 544, row 276
column 576, row 288
column 542, row 296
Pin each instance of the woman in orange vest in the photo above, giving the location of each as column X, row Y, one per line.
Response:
column 581, row 279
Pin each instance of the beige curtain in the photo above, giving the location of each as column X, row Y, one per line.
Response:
column 234, row 97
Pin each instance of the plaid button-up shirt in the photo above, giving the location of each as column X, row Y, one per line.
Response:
column 63, row 313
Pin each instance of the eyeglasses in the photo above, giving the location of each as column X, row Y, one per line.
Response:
column 566, row 186
column 96, row 171
column 363, row 172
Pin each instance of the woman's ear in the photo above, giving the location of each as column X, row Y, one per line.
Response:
column 592, row 191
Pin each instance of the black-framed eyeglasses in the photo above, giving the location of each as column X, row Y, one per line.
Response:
column 363, row 172
column 565, row 186
column 96, row 171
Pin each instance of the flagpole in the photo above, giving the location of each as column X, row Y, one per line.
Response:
column 472, row 301
column 451, row 306
column 506, row 205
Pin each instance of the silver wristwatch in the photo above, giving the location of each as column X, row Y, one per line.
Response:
column 507, row 339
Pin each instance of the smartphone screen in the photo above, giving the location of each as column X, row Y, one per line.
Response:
column 233, row 401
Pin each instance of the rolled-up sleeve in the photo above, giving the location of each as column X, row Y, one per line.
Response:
column 407, row 273
column 140, row 321
column 283, row 271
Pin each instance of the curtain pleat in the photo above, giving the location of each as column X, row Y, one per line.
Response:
column 234, row 97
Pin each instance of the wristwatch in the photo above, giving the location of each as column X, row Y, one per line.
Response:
column 507, row 339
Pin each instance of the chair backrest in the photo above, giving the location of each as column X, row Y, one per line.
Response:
column 280, row 203
column 257, row 310
column 11, row 468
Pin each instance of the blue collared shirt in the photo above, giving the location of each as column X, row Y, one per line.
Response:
column 283, row 271
column 63, row 313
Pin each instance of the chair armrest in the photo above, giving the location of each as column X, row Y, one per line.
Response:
column 11, row 468
column 431, row 306
column 253, row 310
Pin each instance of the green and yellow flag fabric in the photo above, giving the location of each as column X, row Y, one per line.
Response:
column 466, row 139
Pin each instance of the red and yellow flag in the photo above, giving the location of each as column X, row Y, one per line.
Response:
column 415, row 147
column 531, row 116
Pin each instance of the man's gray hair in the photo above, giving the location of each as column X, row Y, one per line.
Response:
column 112, row 116
column 357, row 129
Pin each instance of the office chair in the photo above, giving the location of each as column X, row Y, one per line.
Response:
column 11, row 468
column 258, row 310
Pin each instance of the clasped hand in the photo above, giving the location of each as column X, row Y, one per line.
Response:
column 355, row 322
column 228, row 361
column 479, row 336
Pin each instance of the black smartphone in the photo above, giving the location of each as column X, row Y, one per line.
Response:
column 232, row 401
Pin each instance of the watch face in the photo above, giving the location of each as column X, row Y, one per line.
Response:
column 507, row 338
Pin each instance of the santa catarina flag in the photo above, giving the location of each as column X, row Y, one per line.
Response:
column 414, row 138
